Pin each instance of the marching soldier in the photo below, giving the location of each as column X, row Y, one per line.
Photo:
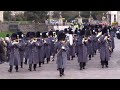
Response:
column 52, row 44
column 61, row 49
column 46, row 46
column 71, row 45
column 14, row 53
column 90, row 44
column 104, row 48
column 82, row 50
column 40, row 47
column 22, row 47
column 27, row 39
column 7, row 40
column 33, row 53
column 112, row 34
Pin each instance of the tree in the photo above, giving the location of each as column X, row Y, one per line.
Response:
column 20, row 17
column 7, row 15
column 37, row 16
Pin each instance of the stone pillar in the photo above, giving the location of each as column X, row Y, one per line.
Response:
column 90, row 18
column 80, row 19
column 1, row 16
column 50, row 13
column 60, row 20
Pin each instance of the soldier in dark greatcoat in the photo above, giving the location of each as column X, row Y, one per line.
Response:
column 52, row 44
column 40, row 48
column 61, row 49
column 104, row 48
column 33, row 53
column 27, row 39
column 82, row 50
column 14, row 53
column 46, row 46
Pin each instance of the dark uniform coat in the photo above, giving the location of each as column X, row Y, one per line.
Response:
column 33, row 53
column 82, row 50
column 14, row 54
column 61, row 54
column 104, row 49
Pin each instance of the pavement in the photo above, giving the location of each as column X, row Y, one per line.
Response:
column 49, row 71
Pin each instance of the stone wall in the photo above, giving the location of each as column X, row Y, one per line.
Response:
column 25, row 27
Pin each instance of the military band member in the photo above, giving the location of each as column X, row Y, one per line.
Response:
column 7, row 40
column 33, row 53
column 104, row 48
column 82, row 50
column 46, row 46
column 61, row 48
column 14, row 53
column 71, row 45
column 22, row 47
column 52, row 44
column 112, row 34
column 40, row 47
column 90, row 44
column 27, row 39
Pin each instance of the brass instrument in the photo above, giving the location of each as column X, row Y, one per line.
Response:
column 85, row 39
column 33, row 40
column 63, row 47
column 16, row 41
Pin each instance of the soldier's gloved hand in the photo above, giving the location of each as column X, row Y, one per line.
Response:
column 63, row 48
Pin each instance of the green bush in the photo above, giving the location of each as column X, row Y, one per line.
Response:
column 3, row 34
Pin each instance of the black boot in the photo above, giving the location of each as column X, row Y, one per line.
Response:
column 60, row 71
column 89, row 57
column 63, row 72
column 112, row 50
column 30, row 67
column 102, row 63
column 16, row 67
column 106, row 63
column 10, row 69
column 48, row 60
column 84, row 64
column 21, row 64
column 25, row 61
column 95, row 52
column 43, row 62
column 81, row 65
column 72, row 57
column 34, row 66
column 39, row 64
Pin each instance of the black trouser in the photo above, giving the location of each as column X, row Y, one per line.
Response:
column 11, row 67
column 82, row 65
column 25, row 61
column 21, row 64
column 89, row 57
column 30, row 67
column 34, row 67
column 48, row 59
column 39, row 63
column 104, row 63
column 61, row 71
column 95, row 52
column 16, row 67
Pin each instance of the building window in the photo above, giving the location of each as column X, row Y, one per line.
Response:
column 114, row 18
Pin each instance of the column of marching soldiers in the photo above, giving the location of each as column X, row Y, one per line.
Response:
column 38, row 48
